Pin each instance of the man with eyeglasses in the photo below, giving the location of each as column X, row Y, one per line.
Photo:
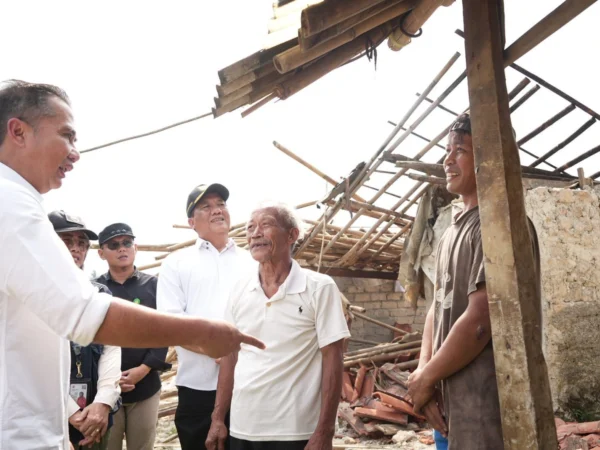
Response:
column 140, row 379
column 196, row 281
column 95, row 369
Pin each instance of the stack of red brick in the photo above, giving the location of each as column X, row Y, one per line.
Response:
column 578, row 436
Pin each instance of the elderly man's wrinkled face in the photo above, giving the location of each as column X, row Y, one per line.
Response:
column 459, row 165
column 268, row 238
column 78, row 244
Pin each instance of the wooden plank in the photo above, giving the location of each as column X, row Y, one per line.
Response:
column 523, row 386
column 562, row 15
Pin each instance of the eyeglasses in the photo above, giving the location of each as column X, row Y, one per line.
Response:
column 114, row 245
column 81, row 244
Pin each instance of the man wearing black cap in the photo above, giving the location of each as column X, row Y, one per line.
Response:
column 196, row 281
column 457, row 356
column 140, row 380
column 95, row 369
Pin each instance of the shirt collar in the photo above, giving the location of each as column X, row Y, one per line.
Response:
column 295, row 283
column 204, row 244
column 135, row 274
column 9, row 174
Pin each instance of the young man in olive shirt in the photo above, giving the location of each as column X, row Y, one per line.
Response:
column 140, row 380
column 457, row 356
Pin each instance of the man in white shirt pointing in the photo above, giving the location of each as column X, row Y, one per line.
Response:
column 196, row 281
column 45, row 300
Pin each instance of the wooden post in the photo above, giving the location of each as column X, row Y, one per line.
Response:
column 523, row 386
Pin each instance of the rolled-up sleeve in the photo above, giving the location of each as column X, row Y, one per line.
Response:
column 37, row 269
column 109, row 375
column 170, row 297
column 155, row 359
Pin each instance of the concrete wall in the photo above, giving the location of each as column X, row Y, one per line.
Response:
column 383, row 304
column 567, row 223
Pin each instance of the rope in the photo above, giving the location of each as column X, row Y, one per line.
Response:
column 146, row 134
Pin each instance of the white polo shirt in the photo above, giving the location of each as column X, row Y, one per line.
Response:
column 277, row 391
column 45, row 301
column 196, row 281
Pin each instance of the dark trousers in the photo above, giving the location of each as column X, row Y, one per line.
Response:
column 239, row 444
column 192, row 418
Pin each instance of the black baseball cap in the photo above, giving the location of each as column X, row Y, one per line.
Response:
column 114, row 230
column 200, row 191
column 63, row 222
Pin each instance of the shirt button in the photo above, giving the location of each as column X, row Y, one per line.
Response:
column 268, row 304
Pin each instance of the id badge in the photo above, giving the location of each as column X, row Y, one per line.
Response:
column 78, row 393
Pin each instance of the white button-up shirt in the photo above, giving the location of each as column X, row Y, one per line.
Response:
column 196, row 281
column 277, row 391
column 45, row 301
column 108, row 390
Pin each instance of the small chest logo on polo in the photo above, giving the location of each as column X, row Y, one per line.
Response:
column 300, row 309
column 137, row 301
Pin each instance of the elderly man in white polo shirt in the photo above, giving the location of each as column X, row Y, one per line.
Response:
column 196, row 281
column 286, row 397
column 45, row 300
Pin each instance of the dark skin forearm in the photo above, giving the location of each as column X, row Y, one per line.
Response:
column 331, row 386
column 427, row 342
column 467, row 339
column 224, row 387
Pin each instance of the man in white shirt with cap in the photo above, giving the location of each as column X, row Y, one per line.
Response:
column 196, row 281
column 45, row 300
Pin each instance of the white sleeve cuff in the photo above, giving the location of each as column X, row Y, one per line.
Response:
column 107, row 396
column 91, row 319
column 72, row 407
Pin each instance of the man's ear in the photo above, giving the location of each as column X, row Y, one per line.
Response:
column 15, row 131
column 191, row 222
column 294, row 233
column 101, row 254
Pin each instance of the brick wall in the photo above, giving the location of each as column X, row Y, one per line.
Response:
column 382, row 303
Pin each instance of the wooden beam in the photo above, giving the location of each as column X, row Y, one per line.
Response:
column 523, row 386
column 349, row 273
column 546, row 27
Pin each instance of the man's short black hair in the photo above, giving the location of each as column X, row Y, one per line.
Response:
column 26, row 101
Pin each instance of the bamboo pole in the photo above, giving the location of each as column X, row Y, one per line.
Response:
column 352, row 254
column 295, row 57
column 564, row 143
column 361, row 341
column 381, row 324
column 308, row 42
column 524, row 98
column 324, row 15
column 392, row 147
column 378, row 351
column 413, row 22
column 258, row 105
column 311, row 167
column 427, row 179
column 294, row 7
column 559, row 17
column 373, row 162
column 329, row 62
column 252, row 62
column 546, row 124
column 580, row 158
column 382, row 358
column 149, row 266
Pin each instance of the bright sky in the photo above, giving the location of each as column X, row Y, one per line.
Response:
column 131, row 67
